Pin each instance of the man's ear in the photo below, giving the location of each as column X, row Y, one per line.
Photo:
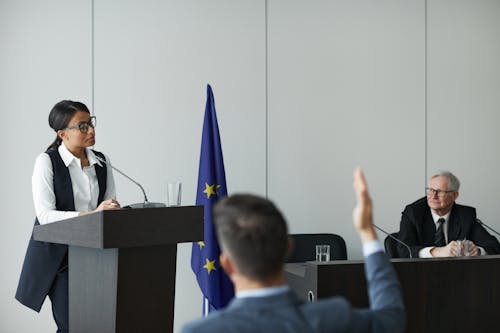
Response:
column 226, row 264
column 455, row 196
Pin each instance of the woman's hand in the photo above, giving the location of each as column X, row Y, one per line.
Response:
column 109, row 204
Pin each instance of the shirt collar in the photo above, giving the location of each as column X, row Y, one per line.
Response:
column 92, row 159
column 436, row 217
column 262, row 292
column 68, row 156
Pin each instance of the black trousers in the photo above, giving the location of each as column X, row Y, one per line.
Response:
column 59, row 295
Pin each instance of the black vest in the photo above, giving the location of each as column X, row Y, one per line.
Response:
column 43, row 260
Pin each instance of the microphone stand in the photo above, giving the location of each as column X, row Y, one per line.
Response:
column 397, row 240
column 146, row 203
column 488, row 227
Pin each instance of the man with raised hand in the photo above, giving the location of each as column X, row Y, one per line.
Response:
column 254, row 240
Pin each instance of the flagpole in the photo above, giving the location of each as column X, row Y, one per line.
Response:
column 206, row 307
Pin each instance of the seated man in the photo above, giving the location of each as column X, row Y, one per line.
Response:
column 254, row 241
column 435, row 226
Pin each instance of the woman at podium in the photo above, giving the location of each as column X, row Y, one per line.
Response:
column 68, row 180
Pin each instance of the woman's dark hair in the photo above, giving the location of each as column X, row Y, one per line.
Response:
column 60, row 115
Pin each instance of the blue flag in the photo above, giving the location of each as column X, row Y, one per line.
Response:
column 213, row 281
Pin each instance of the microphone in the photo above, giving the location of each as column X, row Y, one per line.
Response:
column 487, row 226
column 396, row 239
column 146, row 203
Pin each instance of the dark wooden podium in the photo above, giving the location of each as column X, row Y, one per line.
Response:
column 122, row 266
column 441, row 295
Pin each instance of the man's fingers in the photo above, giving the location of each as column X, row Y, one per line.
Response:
column 359, row 180
column 360, row 186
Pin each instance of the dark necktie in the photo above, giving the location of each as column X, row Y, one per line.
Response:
column 439, row 236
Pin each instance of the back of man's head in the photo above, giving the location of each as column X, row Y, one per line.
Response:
column 253, row 233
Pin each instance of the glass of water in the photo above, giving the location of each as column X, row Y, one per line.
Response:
column 322, row 253
column 174, row 191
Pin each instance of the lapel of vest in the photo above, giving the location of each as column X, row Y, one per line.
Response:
column 102, row 176
column 63, row 188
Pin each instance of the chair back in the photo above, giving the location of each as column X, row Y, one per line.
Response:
column 304, row 247
column 391, row 246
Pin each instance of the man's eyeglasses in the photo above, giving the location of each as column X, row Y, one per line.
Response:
column 84, row 127
column 440, row 193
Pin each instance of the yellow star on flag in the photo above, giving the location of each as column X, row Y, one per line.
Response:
column 201, row 244
column 211, row 190
column 210, row 266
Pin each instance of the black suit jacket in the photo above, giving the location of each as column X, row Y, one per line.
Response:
column 417, row 228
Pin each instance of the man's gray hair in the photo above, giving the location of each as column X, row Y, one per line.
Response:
column 453, row 182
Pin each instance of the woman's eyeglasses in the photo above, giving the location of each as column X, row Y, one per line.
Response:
column 84, row 127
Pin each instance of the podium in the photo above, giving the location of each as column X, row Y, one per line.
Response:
column 440, row 294
column 122, row 266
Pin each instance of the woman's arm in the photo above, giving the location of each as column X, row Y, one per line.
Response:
column 44, row 199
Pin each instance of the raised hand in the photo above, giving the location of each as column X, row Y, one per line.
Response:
column 362, row 214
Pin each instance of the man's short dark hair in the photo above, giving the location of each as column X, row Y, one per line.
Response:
column 253, row 232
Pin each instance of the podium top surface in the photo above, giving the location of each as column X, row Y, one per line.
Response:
column 126, row 228
column 298, row 265
column 302, row 269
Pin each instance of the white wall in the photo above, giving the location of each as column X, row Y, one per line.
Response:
column 464, row 99
column 153, row 60
column 346, row 85
column 44, row 57
column 346, row 89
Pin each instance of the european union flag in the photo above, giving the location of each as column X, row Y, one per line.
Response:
column 213, row 281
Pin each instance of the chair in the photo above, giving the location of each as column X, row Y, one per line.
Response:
column 304, row 247
column 391, row 246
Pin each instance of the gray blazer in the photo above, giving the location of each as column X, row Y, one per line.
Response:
column 286, row 313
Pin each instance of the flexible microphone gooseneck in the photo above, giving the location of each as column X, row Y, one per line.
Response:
column 487, row 226
column 146, row 203
column 396, row 239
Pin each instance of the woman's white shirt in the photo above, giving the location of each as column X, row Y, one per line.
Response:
column 84, row 183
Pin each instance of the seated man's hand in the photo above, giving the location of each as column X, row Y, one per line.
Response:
column 451, row 250
column 471, row 249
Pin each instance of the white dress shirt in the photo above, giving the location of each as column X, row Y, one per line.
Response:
column 84, row 184
column 262, row 292
column 426, row 251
